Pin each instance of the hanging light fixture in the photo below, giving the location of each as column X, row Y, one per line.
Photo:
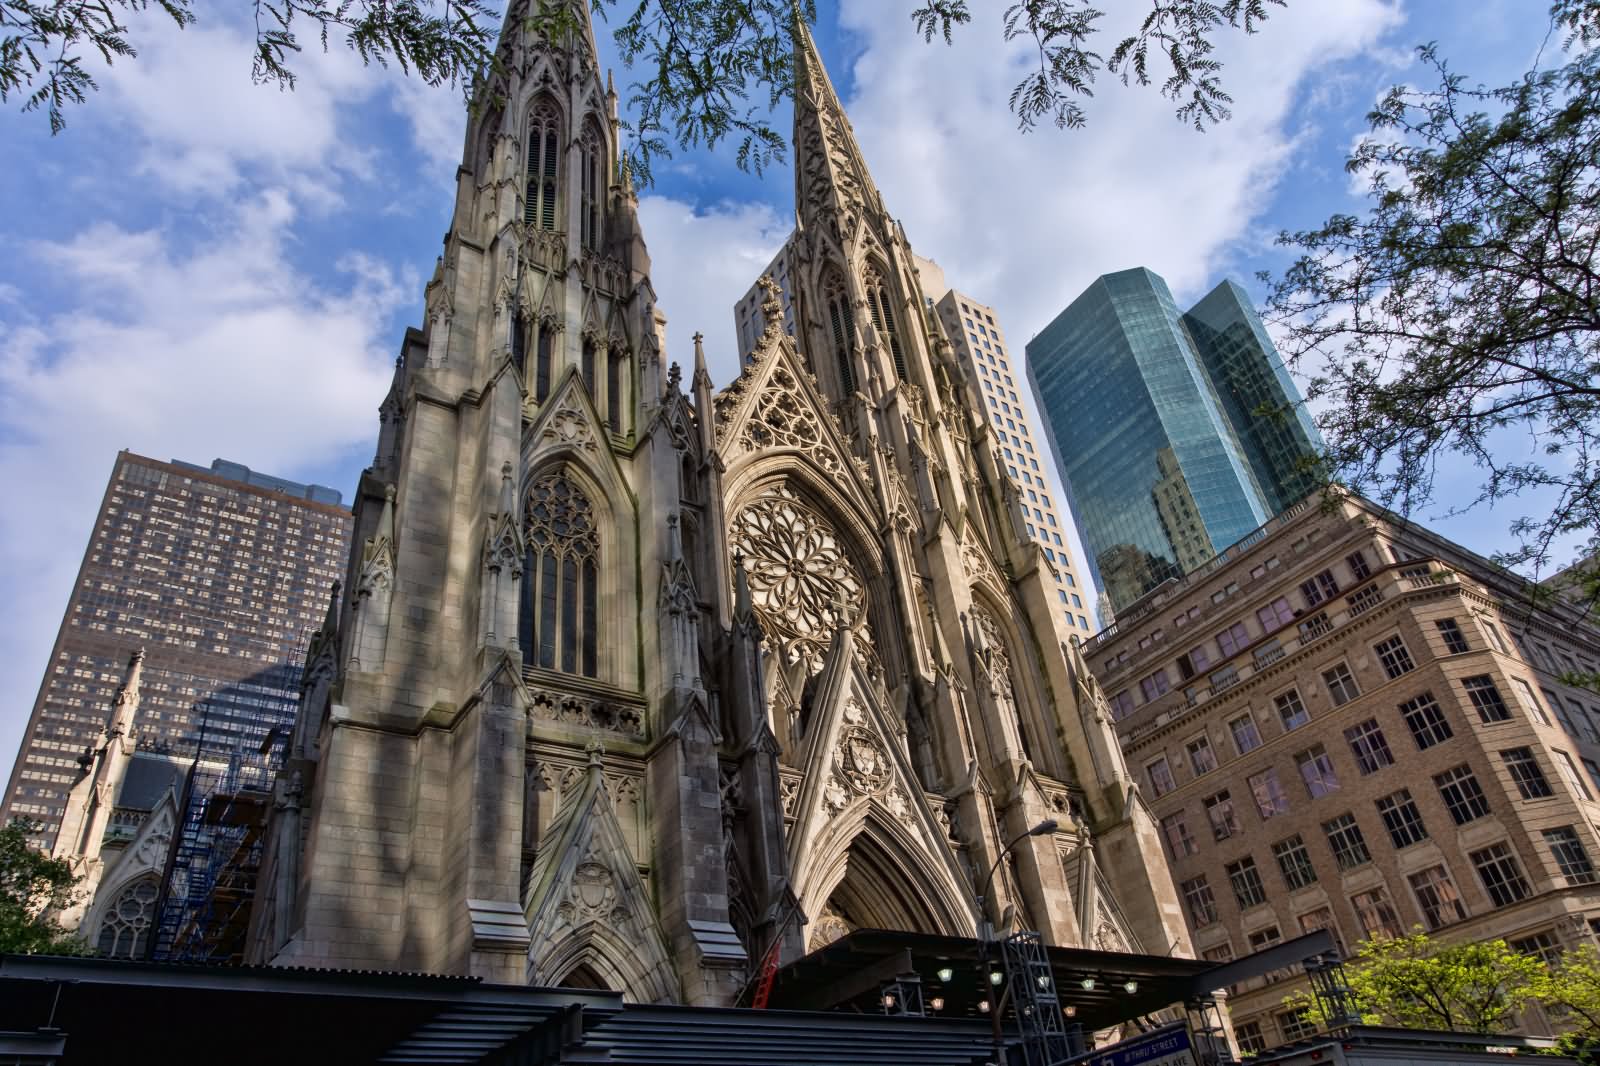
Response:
column 995, row 977
column 1131, row 986
column 945, row 973
column 1087, row 984
column 1070, row 1010
column 937, row 1003
column 983, row 1006
column 888, row 1001
column 1043, row 980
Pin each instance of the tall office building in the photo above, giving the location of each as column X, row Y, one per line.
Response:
column 1156, row 420
column 219, row 575
column 1354, row 724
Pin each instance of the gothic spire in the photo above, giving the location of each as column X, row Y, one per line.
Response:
column 832, row 183
column 125, row 704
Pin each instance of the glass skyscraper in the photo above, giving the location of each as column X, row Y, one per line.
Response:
column 1161, row 428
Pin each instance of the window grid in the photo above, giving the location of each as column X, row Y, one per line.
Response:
column 1369, row 746
column 1246, row 881
column 1341, row 684
column 1570, row 855
column 1402, row 819
column 1394, row 656
column 1376, row 915
column 1524, row 769
column 1316, row 770
column 1501, row 874
column 1177, row 834
column 1291, row 711
column 1455, row 641
column 1462, row 795
column 1270, row 798
column 1198, row 899
column 1426, row 720
column 1437, row 897
column 1485, row 697
column 1294, row 862
column 1219, row 810
column 1345, row 839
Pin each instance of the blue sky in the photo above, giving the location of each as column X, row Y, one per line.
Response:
column 202, row 267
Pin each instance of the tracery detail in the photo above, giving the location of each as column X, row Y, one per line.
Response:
column 798, row 572
column 126, row 925
column 783, row 419
column 558, row 625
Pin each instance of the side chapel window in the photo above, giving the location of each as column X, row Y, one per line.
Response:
column 882, row 310
column 541, row 369
column 558, row 623
column 126, row 925
column 588, row 365
column 843, row 324
column 614, row 377
column 593, row 187
column 544, row 152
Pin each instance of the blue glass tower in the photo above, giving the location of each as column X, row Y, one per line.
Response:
column 1152, row 417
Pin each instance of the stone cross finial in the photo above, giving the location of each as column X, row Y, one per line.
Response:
column 772, row 306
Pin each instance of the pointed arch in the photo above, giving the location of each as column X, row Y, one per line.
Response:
column 558, row 618
column 841, row 327
column 543, row 165
column 592, row 186
column 880, row 303
column 126, row 921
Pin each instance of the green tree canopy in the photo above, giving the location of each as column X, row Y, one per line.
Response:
column 32, row 887
column 1417, row 983
column 1573, row 985
column 1461, row 313
column 701, row 60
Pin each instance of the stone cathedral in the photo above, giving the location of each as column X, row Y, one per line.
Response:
column 635, row 686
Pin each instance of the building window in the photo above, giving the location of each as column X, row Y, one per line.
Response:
column 1486, row 698
column 1245, row 735
column 1262, row 939
column 1501, row 875
column 1295, row 862
column 1201, row 905
column 1542, row 945
column 1202, row 759
column 1250, row 1038
column 1230, row 640
column 1270, row 798
column 1319, row 588
column 1219, row 810
column 1377, row 917
column 126, row 925
column 1395, row 658
column 1160, row 774
column 1315, row 626
column 1569, row 770
column 544, row 166
column 1462, row 796
column 1570, row 856
column 1316, row 769
column 559, row 618
column 1426, row 720
column 843, row 325
column 881, row 308
column 1154, row 686
column 1437, row 897
column 1177, row 834
column 1535, row 709
column 1121, row 705
column 1349, row 846
column 1275, row 615
column 1296, row 1026
column 1402, row 819
column 1341, row 685
column 1358, row 566
column 1455, row 641
column 615, row 362
column 1524, row 770
column 1291, row 711
column 544, row 358
column 1369, row 746
column 1246, row 881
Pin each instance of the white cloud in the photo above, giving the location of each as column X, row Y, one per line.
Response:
column 701, row 262
column 190, row 347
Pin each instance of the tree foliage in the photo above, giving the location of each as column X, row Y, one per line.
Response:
column 711, row 69
column 1573, row 986
column 32, row 887
column 1461, row 313
column 1413, row 982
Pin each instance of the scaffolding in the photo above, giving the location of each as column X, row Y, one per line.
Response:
column 211, row 873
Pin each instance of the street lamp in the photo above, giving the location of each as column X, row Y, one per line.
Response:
column 1044, row 828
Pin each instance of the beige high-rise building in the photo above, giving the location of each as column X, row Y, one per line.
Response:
column 1345, row 721
column 640, row 685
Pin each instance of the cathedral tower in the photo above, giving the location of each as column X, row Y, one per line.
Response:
column 632, row 687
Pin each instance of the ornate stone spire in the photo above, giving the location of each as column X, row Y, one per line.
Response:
column 125, row 704
column 832, row 184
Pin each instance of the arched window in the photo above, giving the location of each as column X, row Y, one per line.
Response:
column 588, row 366
column 882, row 309
column 542, row 360
column 843, row 324
column 614, row 380
column 126, row 926
column 558, row 626
column 519, row 341
column 544, row 165
column 593, row 179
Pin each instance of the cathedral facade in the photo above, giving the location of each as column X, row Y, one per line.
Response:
column 636, row 685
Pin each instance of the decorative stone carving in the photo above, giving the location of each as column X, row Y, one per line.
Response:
column 569, row 426
column 789, row 783
column 978, row 565
column 783, row 418
column 827, row 927
column 588, row 711
column 862, row 762
column 799, row 575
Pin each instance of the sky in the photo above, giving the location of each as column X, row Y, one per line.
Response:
column 201, row 267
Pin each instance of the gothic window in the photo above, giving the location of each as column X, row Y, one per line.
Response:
column 126, row 925
column 558, row 623
column 519, row 341
column 542, row 360
column 593, row 187
column 843, row 325
column 998, row 663
column 614, row 365
column 588, row 365
column 882, row 309
column 544, row 155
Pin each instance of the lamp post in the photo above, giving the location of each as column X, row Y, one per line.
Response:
column 986, row 929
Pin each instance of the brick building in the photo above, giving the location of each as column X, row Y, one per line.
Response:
column 1345, row 721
